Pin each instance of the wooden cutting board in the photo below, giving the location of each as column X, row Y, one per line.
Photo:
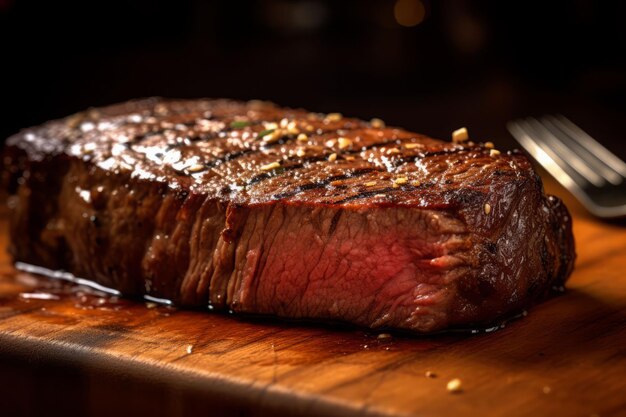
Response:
column 82, row 354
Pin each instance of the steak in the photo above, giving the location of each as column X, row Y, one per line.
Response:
column 257, row 209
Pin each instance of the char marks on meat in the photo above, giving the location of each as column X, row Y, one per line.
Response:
column 259, row 209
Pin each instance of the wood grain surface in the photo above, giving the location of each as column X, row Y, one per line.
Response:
column 82, row 354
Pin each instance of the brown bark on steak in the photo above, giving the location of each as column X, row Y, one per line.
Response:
column 190, row 201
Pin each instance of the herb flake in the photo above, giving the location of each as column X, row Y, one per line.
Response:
column 265, row 132
column 239, row 124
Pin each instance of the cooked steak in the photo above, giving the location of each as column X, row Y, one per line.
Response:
column 259, row 209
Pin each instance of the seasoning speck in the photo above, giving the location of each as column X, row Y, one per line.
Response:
column 416, row 183
column 377, row 123
column 487, row 208
column 383, row 336
column 401, row 180
column 489, row 145
column 333, row 117
column 454, row 385
column 292, row 128
column 189, row 348
column 430, row 374
column 271, row 166
column 300, row 152
column 332, row 157
column 494, row 152
column 195, row 168
column 273, row 136
column 547, row 390
column 412, row 145
column 302, row 137
column 460, row 135
column 344, row 143
column 370, row 184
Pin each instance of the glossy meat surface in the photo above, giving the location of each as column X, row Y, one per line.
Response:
column 265, row 210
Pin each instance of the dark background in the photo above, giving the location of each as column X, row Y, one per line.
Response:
column 430, row 66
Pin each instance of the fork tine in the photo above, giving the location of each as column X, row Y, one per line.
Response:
column 591, row 144
column 585, row 154
column 543, row 135
column 547, row 158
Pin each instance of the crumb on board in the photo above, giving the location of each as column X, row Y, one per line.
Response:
column 454, row 385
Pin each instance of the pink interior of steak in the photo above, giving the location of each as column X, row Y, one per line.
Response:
column 379, row 267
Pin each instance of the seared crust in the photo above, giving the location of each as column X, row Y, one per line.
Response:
column 213, row 147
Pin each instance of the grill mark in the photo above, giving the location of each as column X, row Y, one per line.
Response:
column 458, row 196
column 192, row 123
column 365, row 194
column 323, row 183
column 201, row 135
column 370, row 146
column 214, row 135
column 141, row 137
column 260, row 177
column 444, row 152
column 406, row 159
column 194, row 138
column 229, row 157
column 206, row 136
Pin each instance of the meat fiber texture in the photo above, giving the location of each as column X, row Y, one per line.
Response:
column 257, row 209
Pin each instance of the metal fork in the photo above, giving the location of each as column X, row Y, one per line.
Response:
column 595, row 176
